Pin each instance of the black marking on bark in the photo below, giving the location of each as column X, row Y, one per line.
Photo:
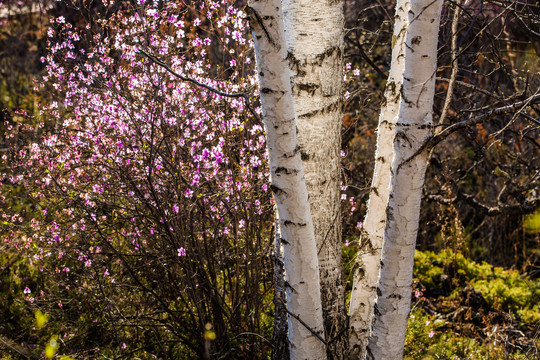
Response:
column 381, row 159
column 257, row 24
column 405, row 125
column 329, row 108
column 304, row 155
column 409, row 47
column 402, row 139
column 376, row 310
column 416, row 40
column 379, row 292
column 283, row 241
column 391, row 87
column 408, row 102
column 261, row 73
column 267, row 90
column 361, row 273
column 329, row 52
column 276, row 190
column 395, row 296
column 310, row 88
column 389, row 212
column 292, row 153
column 294, row 64
column 288, row 171
column 288, row 222
column 374, row 190
column 287, row 285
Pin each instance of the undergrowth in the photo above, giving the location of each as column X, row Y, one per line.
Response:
column 466, row 310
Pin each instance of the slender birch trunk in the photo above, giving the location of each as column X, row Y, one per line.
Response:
column 314, row 34
column 280, row 340
column 366, row 272
column 306, row 335
column 411, row 130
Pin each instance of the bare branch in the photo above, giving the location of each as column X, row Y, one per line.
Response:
column 301, row 321
column 471, row 86
column 436, row 139
column 455, row 62
column 243, row 95
column 525, row 207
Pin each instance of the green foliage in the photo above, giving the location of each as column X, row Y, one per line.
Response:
column 430, row 338
column 506, row 290
column 532, row 222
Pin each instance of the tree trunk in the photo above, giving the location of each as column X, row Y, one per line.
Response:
column 314, row 35
column 366, row 273
column 280, row 341
column 305, row 322
column 411, row 130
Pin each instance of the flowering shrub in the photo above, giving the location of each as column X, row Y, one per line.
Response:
column 150, row 190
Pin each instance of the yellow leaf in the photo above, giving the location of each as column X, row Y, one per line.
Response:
column 49, row 351
column 532, row 222
column 41, row 319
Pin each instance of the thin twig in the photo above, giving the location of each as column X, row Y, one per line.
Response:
column 453, row 75
column 370, row 62
column 433, row 141
column 525, row 207
column 301, row 321
column 520, row 112
column 243, row 95
column 471, row 86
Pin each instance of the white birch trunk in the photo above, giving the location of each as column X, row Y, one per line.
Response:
column 366, row 273
column 314, row 34
column 412, row 129
column 288, row 183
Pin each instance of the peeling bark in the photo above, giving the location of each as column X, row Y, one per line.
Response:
column 314, row 34
column 366, row 274
column 412, row 128
column 288, row 184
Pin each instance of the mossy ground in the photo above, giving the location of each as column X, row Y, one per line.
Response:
column 466, row 310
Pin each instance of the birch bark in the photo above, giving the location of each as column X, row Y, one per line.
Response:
column 411, row 130
column 288, row 183
column 314, row 34
column 366, row 273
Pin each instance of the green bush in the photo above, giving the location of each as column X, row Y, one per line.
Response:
column 447, row 272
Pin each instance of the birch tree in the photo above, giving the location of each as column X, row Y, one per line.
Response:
column 305, row 322
column 366, row 273
column 418, row 35
column 314, row 37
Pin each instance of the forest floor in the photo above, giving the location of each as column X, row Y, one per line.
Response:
column 466, row 310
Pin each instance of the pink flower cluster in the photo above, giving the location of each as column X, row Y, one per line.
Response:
column 129, row 154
